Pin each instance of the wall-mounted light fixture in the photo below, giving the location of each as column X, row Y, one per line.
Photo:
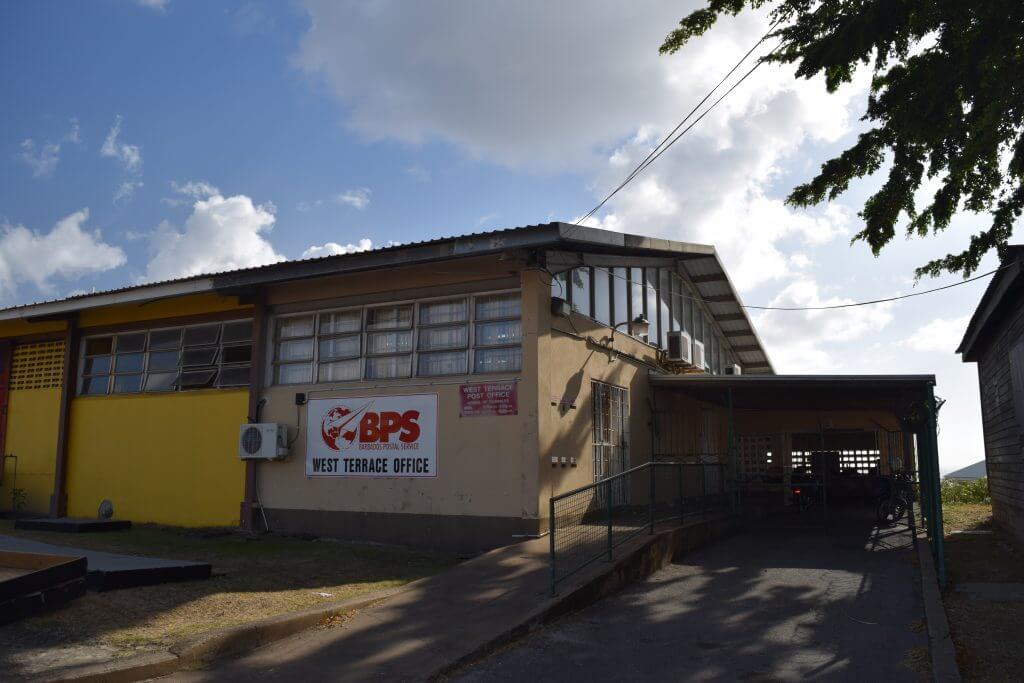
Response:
column 639, row 324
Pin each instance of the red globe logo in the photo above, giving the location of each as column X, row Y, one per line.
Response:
column 340, row 427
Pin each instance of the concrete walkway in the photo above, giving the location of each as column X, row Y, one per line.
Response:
column 411, row 635
column 768, row 604
column 453, row 616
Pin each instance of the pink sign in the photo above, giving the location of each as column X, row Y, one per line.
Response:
column 499, row 398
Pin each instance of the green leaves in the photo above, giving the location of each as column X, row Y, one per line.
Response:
column 946, row 103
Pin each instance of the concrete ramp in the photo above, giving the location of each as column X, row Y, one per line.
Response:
column 109, row 571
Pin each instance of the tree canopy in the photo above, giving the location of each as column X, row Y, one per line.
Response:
column 946, row 104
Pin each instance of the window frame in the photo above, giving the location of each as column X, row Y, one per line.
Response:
column 470, row 348
column 112, row 373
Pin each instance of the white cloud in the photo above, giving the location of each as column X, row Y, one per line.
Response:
column 67, row 251
column 42, row 159
column 941, row 335
column 358, row 198
column 126, row 190
column 800, row 341
column 306, row 206
column 190, row 191
column 333, row 249
column 220, row 234
column 156, row 5
column 130, row 156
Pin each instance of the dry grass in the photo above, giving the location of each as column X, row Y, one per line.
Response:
column 985, row 633
column 253, row 579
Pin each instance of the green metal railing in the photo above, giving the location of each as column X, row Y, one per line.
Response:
column 585, row 525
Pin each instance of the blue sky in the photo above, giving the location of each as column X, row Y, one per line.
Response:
column 144, row 139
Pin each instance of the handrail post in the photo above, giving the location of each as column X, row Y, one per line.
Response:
column 682, row 505
column 551, row 542
column 650, row 501
column 608, row 501
column 703, row 491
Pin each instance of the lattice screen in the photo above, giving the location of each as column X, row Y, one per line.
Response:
column 755, row 455
column 37, row 366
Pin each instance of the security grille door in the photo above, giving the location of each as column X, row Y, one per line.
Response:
column 611, row 435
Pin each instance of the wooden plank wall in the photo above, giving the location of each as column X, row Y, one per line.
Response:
column 1004, row 433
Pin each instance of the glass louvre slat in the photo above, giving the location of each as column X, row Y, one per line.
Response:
column 620, row 295
column 294, row 373
column 602, row 297
column 99, row 347
column 202, row 336
column 388, row 367
column 443, row 363
column 443, row 312
column 499, row 334
column 131, row 362
column 295, row 327
column 381, row 343
column 341, row 322
column 389, row 318
column 126, row 343
column 340, row 371
column 340, row 347
column 581, row 290
column 498, row 306
column 165, row 339
column 499, row 360
column 439, row 338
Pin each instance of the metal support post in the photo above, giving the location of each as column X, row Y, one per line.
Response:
column 650, row 502
column 608, row 500
column 551, row 542
column 682, row 504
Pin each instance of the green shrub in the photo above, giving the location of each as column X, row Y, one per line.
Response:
column 966, row 491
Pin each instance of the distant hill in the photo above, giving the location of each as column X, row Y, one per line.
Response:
column 975, row 471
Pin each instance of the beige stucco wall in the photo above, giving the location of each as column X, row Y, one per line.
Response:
column 567, row 366
column 486, row 466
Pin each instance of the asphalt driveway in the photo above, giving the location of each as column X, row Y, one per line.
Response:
column 780, row 602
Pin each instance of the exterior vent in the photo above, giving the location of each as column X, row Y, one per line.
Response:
column 264, row 441
column 698, row 355
column 733, row 369
column 680, row 347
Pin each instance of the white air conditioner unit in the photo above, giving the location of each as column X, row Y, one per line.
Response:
column 680, row 347
column 733, row 369
column 263, row 441
column 698, row 355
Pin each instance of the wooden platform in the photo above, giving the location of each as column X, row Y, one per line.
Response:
column 110, row 571
column 72, row 525
column 32, row 582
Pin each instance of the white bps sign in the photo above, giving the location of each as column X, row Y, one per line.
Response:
column 372, row 436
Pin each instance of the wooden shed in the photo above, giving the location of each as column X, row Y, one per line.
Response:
column 995, row 341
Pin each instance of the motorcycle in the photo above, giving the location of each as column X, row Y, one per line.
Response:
column 895, row 502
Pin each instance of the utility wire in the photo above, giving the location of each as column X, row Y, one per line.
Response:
column 668, row 140
column 804, row 308
column 656, row 151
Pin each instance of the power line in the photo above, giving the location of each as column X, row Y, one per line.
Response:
column 801, row 308
column 666, row 143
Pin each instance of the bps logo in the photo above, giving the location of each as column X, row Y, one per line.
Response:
column 343, row 426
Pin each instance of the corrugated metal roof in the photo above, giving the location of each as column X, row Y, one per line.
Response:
column 698, row 261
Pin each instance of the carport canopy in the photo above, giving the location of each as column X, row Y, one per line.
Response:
column 910, row 398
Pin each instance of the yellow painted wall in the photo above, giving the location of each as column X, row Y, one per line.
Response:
column 19, row 328
column 169, row 459
column 32, row 436
column 196, row 304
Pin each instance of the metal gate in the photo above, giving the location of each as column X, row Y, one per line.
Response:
column 611, row 436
